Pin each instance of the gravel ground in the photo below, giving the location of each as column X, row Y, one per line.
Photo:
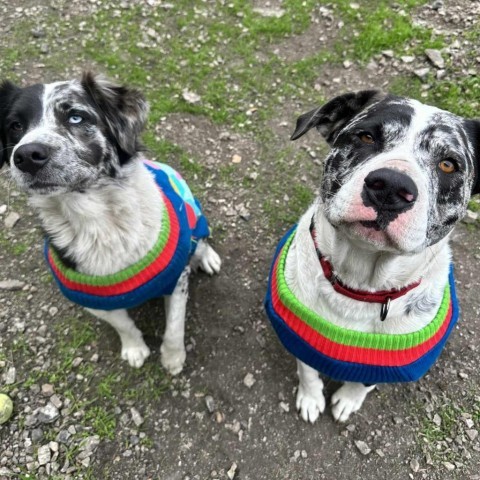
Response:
column 81, row 413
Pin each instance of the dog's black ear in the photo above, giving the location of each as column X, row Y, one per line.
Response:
column 329, row 118
column 7, row 93
column 473, row 132
column 125, row 111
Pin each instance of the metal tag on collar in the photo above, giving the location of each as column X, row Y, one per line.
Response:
column 385, row 308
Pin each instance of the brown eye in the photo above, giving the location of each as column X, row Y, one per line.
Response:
column 447, row 166
column 365, row 137
column 16, row 127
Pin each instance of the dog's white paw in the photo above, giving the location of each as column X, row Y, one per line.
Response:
column 135, row 354
column 206, row 258
column 348, row 399
column 172, row 359
column 310, row 402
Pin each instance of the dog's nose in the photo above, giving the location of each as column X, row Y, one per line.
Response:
column 389, row 189
column 31, row 157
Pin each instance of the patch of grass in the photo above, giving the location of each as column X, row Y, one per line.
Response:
column 151, row 386
column 460, row 96
column 102, row 421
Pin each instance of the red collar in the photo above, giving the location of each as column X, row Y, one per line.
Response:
column 383, row 296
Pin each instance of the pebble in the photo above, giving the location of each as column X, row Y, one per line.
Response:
column 232, row 471
column 249, row 380
column 449, row 466
column 11, row 285
column 48, row 414
column 435, row 57
column 362, row 447
column 9, row 376
column 210, row 403
column 47, row 390
column 414, row 465
column 270, row 12
column 136, row 417
column 191, row 97
column 3, row 209
column 37, row 435
column 472, row 434
column 53, row 311
column 44, row 454
column 11, row 219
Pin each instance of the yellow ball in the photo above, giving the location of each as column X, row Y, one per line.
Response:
column 6, row 408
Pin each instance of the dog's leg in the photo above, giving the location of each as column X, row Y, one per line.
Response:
column 134, row 349
column 173, row 348
column 310, row 399
column 348, row 399
column 206, row 258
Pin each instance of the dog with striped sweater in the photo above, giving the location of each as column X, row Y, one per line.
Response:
column 362, row 288
column 120, row 229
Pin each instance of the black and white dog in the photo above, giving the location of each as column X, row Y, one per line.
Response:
column 74, row 148
column 367, row 267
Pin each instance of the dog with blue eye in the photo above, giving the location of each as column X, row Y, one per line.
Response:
column 120, row 229
column 362, row 289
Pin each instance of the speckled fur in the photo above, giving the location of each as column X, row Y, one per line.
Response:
column 408, row 246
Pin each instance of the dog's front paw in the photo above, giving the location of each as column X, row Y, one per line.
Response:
column 172, row 359
column 135, row 354
column 348, row 399
column 310, row 402
column 210, row 261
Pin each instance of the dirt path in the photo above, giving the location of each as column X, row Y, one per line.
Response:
column 113, row 423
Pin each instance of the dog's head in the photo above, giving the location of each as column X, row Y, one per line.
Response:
column 65, row 136
column 400, row 173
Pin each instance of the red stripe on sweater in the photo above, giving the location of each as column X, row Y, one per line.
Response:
column 149, row 272
column 346, row 353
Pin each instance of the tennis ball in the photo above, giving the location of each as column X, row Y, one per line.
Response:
column 6, row 408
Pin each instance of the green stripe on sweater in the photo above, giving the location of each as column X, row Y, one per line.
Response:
column 354, row 338
column 126, row 273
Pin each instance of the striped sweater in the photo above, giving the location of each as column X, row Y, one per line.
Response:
column 156, row 274
column 350, row 355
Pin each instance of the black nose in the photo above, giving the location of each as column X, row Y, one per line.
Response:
column 31, row 157
column 387, row 189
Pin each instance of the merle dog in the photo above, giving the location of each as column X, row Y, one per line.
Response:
column 120, row 229
column 362, row 289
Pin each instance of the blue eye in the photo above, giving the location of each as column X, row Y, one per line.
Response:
column 75, row 119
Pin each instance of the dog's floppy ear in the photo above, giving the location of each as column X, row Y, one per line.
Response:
column 7, row 92
column 473, row 131
column 329, row 118
column 125, row 111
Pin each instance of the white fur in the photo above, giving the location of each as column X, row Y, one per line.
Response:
column 109, row 229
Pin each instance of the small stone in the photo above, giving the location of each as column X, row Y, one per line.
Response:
column 77, row 361
column 388, row 53
column 191, row 97
column 53, row 446
column 470, row 217
column 362, row 447
column 249, row 380
column 219, row 417
column 407, row 59
column 472, row 434
column 422, row 73
column 55, row 401
column 6, row 408
column 11, row 219
column 37, row 435
column 63, row 436
column 3, row 209
column 44, row 48
column 437, row 4
column 136, row 417
column 270, row 12
column 437, row 420
column 44, row 454
column 90, row 444
column 347, row 64
column 231, row 473
column 48, row 414
column 414, row 465
column 53, row 311
column 11, row 285
column 285, row 406
column 38, row 32
column 47, row 390
column 210, row 403
column 435, row 57
column 94, row 358
column 236, row 159
column 449, row 466
column 380, row 453
column 10, row 375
